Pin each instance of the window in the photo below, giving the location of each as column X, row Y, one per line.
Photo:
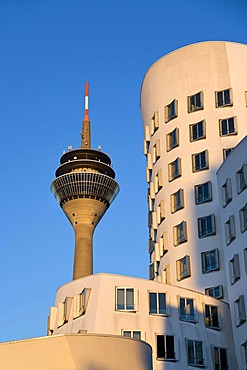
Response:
column 216, row 291
column 234, row 269
column 161, row 214
column 244, row 354
column 245, row 260
column 203, row 192
column 157, row 303
column 177, row 200
column 220, row 358
column 230, row 230
column 186, row 309
column 166, row 347
column 223, row 98
column 195, row 102
column 171, row 110
column 227, row 126
column 194, row 352
column 156, row 151
column 154, row 123
column 243, row 218
column 240, row 311
column 206, row 226
column 125, row 299
column 210, row 261
column 150, row 245
column 151, row 271
column 198, row 131
column 226, row 152
column 80, row 303
column 226, row 192
column 163, row 243
column 242, row 178
column 158, row 181
column 174, row 169
column 165, row 275
column 172, row 139
column 183, row 268
column 180, row 233
column 200, row 161
column 136, row 334
column 211, row 317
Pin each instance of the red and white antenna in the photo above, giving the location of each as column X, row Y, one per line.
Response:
column 86, row 117
column 86, row 132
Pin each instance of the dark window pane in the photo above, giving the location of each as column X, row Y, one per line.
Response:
column 160, row 346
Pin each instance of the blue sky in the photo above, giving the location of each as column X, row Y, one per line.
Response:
column 48, row 50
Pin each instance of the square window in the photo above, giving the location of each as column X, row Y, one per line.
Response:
column 243, row 218
column 157, row 303
column 125, row 299
column 223, row 98
column 194, row 352
column 171, row 111
column 230, row 230
column 242, row 178
column 216, row 291
column 183, row 268
column 200, row 161
column 226, row 152
column 195, row 102
column 177, row 200
column 136, row 334
column 234, row 269
column 180, row 233
column 206, row 226
column 228, row 126
column 198, row 131
column 226, row 192
column 210, row 261
column 211, row 317
column 165, row 345
column 174, row 169
column 172, row 139
column 220, row 359
column 203, row 192
column 240, row 311
column 186, row 309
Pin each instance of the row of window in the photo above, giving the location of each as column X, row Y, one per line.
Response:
column 241, row 182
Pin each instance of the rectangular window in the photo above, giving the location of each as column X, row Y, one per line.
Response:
column 171, row 110
column 158, row 181
column 220, row 359
column 186, row 309
column 227, row 126
column 206, row 226
column 151, row 271
column 226, row 192
column 234, row 269
column 183, row 268
column 80, row 303
column 172, row 139
column 136, row 334
column 174, row 169
column 243, row 218
column 226, row 152
column 125, row 299
column 216, row 291
column 242, row 178
column 180, row 233
column 211, row 317
column 200, row 161
column 157, row 303
column 230, row 230
column 154, row 123
column 240, row 311
column 203, row 192
column 223, row 98
column 161, row 214
column 198, row 131
column 210, row 261
column 166, row 347
column 177, row 200
column 156, row 151
column 194, row 352
column 195, row 102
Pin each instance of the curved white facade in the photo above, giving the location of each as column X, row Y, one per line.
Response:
column 193, row 104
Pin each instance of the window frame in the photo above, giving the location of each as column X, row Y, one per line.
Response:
column 211, row 267
column 172, row 139
column 174, row 348
column 224, row 103
column 132, row 331
column 243, row 218
column 187, row 316
column 240, row 312
column 171, row 110
column 180, row 234
column 230, row 230
column 204, row 198
column 218, row 366
column 226, row 152
column 174, row 169
column 185, row 271
column 234, row 269
column 203, row 162
column 201, row 234
column 226, row 192
column 177, row 200
column 195, row 361
column 241, row 177
column 213, row 289
column 125, row 304
column 196, row 127
column 209, row 316
column 192, row 102
column 227, row 130
column 160, row 311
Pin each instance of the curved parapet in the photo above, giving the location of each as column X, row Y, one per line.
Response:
column 85, row 185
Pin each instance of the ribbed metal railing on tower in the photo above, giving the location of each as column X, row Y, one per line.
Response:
column 85, row 185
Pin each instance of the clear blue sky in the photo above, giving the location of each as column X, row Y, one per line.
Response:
column 48, row 50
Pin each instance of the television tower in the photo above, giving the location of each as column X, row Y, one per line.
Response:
column 84, row 187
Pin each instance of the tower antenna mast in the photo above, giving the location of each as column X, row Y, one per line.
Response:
column 86, row 130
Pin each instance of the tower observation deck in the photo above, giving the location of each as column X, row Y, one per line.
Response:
column 84, row 187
